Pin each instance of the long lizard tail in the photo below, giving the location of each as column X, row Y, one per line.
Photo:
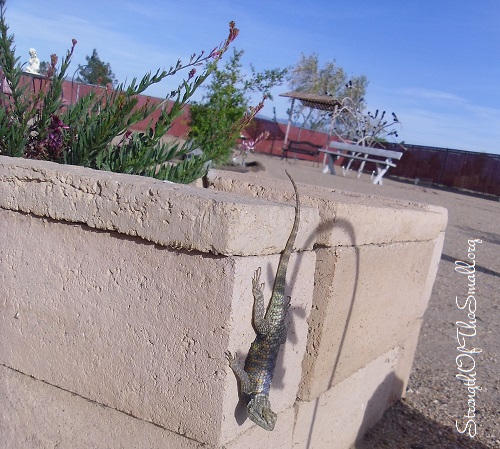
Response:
column 279, row 282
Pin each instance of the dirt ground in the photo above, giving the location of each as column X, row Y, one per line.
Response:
column 436, row 400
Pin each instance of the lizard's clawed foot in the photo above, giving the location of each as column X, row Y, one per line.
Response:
column 229, row 357
column 256, row 285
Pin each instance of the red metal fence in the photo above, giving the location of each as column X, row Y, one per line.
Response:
column 478, row 172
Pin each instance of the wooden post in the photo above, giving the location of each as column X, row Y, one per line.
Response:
column 289, row 123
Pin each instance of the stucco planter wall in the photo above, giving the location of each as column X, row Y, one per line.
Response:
column 121, row 294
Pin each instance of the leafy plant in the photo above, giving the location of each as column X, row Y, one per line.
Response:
column 93, row 132
column 216, row 122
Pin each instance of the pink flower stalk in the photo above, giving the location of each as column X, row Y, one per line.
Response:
column 249, row 145
column 233, row 32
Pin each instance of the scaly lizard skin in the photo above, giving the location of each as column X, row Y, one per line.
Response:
column 255, row 379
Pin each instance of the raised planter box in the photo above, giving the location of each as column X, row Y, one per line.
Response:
column 122, row 293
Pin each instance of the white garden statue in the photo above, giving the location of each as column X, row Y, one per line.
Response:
column 34, row 63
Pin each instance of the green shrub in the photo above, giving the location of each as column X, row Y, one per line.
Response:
column 93, row 132
column 215, row 122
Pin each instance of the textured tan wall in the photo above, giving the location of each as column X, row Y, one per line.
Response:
column 125, row 292
column 376, row 261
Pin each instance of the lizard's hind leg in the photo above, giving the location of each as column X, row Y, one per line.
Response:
column 259, row 310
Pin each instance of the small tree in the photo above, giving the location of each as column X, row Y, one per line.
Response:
column 307, row 76
column 216, row 122
column 44, row 67
column 96, row 71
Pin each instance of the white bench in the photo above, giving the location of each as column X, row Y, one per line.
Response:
column 382, row 158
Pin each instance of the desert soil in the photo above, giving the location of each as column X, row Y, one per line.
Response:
column 435, row 399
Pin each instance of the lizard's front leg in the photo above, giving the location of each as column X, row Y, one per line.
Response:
column 240, row 373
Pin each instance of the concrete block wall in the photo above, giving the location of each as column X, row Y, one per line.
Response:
column 122, row 293
column 376, row 262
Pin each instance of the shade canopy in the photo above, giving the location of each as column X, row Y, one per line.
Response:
column 321, row 102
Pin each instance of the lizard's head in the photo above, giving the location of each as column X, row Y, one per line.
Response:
column 259, row 411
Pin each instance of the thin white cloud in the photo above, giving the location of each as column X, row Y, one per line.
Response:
column 439, row 118
column 431, row 95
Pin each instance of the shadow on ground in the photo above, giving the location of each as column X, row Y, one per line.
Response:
column 403, row 427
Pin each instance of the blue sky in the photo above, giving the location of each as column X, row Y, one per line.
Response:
column 435, row 63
